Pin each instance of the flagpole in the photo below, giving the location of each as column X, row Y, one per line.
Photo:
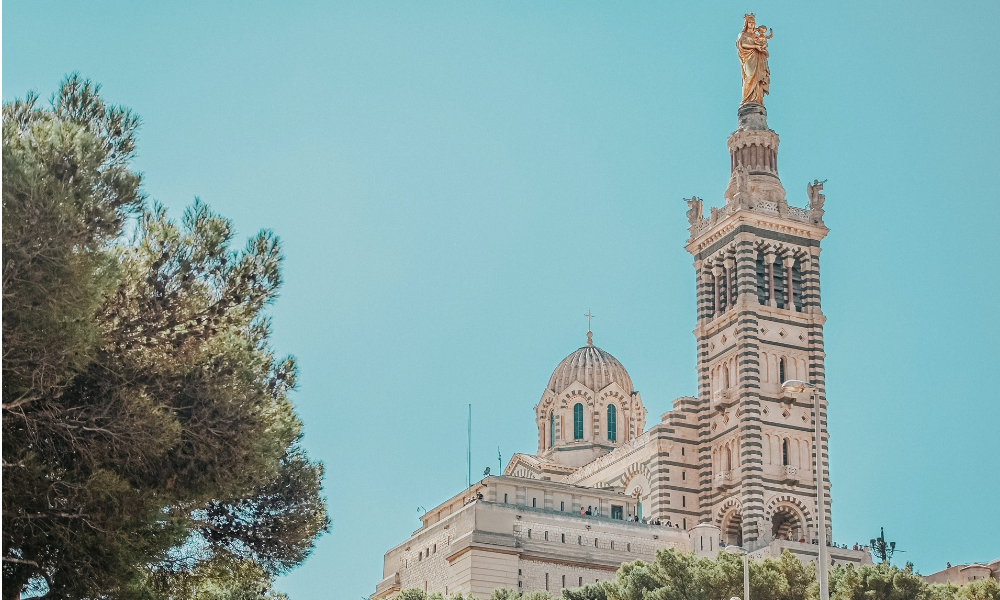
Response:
column 469, row 449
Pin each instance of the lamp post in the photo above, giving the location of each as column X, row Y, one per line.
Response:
column 797, row 387
column 746, row 569
column 883, row 549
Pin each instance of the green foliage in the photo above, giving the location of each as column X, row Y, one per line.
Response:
column 498, row 594
column 876, row 582
column 225, row 579
column 942, row 591
column 149, row 444
column 505, row 594
column 677, row 575
column 982, row 589
column 418, row 594
column 591, row 591
column 508, row 594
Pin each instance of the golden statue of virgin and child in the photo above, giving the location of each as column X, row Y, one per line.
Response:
column 751, row 46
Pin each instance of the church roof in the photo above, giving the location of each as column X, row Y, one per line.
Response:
column 592, row 367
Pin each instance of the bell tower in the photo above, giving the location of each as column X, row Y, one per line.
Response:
column 759, row 324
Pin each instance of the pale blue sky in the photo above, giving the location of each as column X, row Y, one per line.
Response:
column 457, row 183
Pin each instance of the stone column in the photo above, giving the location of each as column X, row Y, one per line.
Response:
column 703, row 280
column 810, row 281
column 789, row 263
column 717, row 273
column 769, row 258
column 730, row 282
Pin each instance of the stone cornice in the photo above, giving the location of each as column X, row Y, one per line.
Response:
column 732, row 217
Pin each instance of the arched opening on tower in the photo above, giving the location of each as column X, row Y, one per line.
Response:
column 732, row 528
column 786, row 524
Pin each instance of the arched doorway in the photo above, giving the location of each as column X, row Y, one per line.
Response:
column 787, row 523
column 732, row 528
column 637, row 486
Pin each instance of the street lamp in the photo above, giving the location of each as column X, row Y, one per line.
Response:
column 746, row 569
column 883, row 549
column 794, row 386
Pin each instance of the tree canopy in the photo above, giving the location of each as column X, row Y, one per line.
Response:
column 150, row 449
column 674, row 575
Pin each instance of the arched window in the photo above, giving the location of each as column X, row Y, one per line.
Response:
column 578, row 421
column 552, row 429
column 612, row 423
column 784, row 452
column 729, row 459
column 725, row 377
column 781, row 371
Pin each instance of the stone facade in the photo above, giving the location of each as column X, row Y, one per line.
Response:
column 759, row 324
column 963, row 574
column 734, row 465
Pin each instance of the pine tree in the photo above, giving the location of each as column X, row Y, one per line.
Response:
column 148, row 438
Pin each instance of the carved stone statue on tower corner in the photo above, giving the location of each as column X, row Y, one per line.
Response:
column 694, row 213
column 816, row 196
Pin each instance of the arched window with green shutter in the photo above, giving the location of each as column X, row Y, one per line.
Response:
column 552, row 429
column 578, row 422
column 612, row 423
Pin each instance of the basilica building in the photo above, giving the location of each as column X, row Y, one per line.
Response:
column 735, row 464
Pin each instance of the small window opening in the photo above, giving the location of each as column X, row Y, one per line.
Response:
column 552, row 429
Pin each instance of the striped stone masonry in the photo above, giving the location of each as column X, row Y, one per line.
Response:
column 734, row 464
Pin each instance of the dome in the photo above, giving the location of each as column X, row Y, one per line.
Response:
column 592, row 367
